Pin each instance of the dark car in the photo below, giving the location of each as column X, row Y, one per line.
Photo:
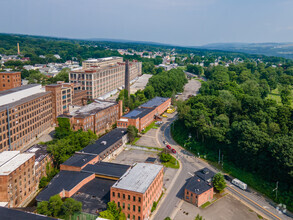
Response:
column 168, row 146
column 228, row 178
column 173, row 151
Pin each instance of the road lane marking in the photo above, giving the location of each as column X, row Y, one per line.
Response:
column 254, row 202
column 190, row 174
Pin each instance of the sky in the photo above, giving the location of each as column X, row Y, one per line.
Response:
column 178, row 22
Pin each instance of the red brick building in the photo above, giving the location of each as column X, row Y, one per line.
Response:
column 9, row 80
column 98, row 116
column 199, row 189
column 144, row 115
column 137, row 190
column 25, row 113
column 17, row 177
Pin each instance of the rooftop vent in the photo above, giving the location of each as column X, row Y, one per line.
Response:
column 205, row 171
column 104, row 142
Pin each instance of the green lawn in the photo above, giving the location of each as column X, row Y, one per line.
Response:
column 173, row 163
column 182, row 68
column 152, row 125
column 275, row 95
column 206, row 204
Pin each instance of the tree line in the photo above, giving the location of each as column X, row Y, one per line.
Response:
column 234, row 114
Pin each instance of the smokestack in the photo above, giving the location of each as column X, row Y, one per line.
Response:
column 18, row 50
column 127, row 77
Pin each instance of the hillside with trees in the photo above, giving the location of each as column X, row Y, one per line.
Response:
column 235, row 115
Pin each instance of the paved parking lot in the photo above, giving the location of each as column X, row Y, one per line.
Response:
column 131, row 156
column 227, row 208
column 148, row 139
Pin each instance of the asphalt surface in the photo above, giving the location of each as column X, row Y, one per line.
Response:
column 190, row 164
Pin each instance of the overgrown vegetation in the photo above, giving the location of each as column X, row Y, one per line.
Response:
column 168, row 160
column 50, row 173
column 234, row 115
column 113, row 212
column 154, row 206
column 67, row 142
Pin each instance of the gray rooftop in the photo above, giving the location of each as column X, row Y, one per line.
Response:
column 79, row 160
column 155, row 102
column 12, row 214
column 105, row 141
column 138, row 113
column 139, row 178
column 40, row 152
column 107, row 169
column 64, row 180
column 91, row 108
column 197, row 185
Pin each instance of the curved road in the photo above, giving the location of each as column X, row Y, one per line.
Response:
column 190, row 164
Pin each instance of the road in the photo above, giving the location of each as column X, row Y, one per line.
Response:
column 190, row 164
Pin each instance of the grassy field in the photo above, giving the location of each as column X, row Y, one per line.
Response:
column 152, row 125
column 173, row 163
column 275, row 95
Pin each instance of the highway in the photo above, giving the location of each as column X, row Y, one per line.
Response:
column 190, row 164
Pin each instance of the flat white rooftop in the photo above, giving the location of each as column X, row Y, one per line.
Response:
column 18, row 93
column 5, row 156
column 139, row 178
column 14, row 162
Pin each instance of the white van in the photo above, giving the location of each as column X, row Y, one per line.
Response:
column 240, row 184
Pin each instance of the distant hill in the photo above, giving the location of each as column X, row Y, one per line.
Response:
column 269, row 49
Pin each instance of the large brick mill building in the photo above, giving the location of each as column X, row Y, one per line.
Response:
column 137, row 190
column 104, row 75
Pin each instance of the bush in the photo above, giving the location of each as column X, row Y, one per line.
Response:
column 154, row 206
column 165, row 157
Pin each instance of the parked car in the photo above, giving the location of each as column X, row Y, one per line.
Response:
column 240, row 184
column 228, row 178
column 164, row 142
column 168, row 146
column 173, row 151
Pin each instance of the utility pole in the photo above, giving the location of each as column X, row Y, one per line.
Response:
column 219, row 161
column 276, row 189
column 222, row 161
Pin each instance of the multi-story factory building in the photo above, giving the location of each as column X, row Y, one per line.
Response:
column 98, row 116
column 17, row 177
column 102, row 76
column 25, row 113
column 137, row 190
column 9, row 80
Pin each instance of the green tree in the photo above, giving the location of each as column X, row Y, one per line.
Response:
column 43, row 208
column 219, row 182
column 55, row 205
column 71, row 206
column 63, row 129
column 132, row 132
column 113, row 212
column 286, row 95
